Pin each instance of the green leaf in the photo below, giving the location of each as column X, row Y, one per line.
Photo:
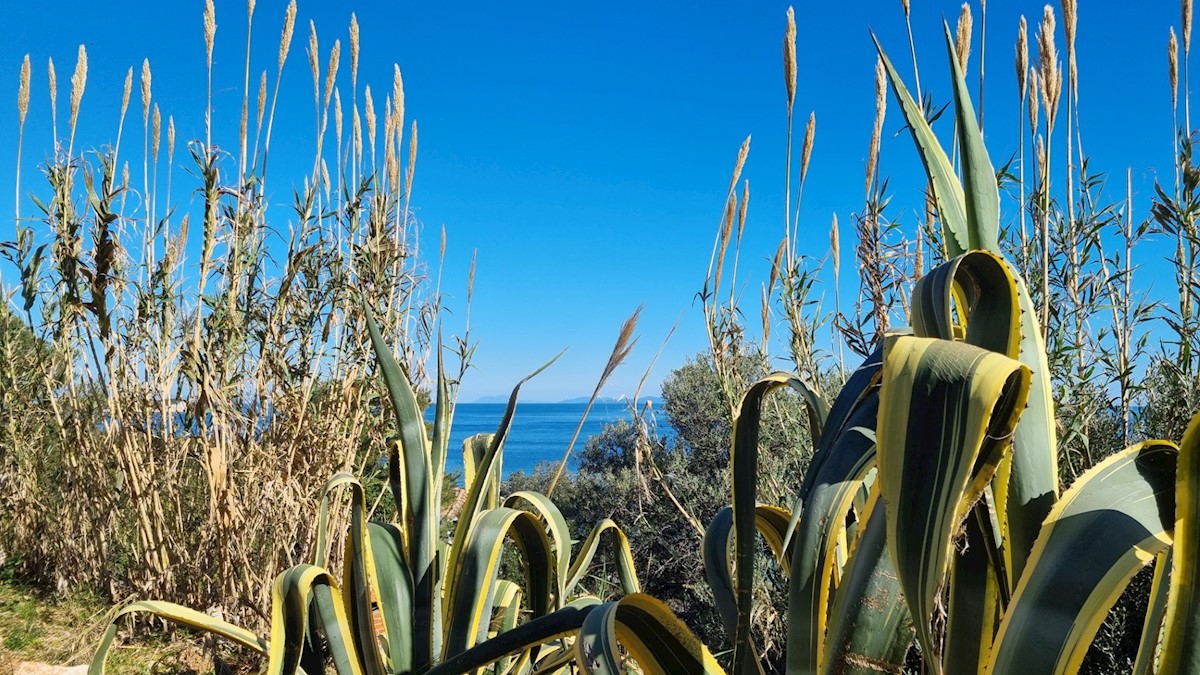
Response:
column 175, row 614
column 1181, row 643
column 982, row 197
column 946, row 412
column 1115, row 518
column 649, row 631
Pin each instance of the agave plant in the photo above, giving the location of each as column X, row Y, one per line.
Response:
column 409, row 602
column 932, row 510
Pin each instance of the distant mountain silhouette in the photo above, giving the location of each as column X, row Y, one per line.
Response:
column 578, row 400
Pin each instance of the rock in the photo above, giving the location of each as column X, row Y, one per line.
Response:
column 34, row 668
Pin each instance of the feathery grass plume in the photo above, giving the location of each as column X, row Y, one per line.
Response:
column 1051, row 75
column 285, row 39
column 1022, row 61
column 356, row 130
column 810, row 131
column 370, row 117
column 125, row 92
column 905, row 7
column 354, row 51
column 877, row 130
column 145, row 91
column 1186, row 8
column 962, row 36
column 78, row 83
column 412, row 164
column 314, row 65
column 397, row 98
column 337, row 113
column 1034, row 97
column 22, row 109
column 23, row 92
column 1070, row 21
column 155, row 135
column 262, row 101
column 1173, row 65
column 331, row 72
column 170, row 138
column 625, row 342
column 210, row 30
column 53, row 97
column 835, row 248
column 285, row 45
column 789, row 59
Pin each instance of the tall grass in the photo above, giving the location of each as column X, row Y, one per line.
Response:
column 180, row 381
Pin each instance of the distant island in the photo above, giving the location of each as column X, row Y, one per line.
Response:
column 578, row 400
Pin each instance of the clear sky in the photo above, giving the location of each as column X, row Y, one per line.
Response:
column 583, row 149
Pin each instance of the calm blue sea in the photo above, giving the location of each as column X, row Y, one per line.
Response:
column 540, row 431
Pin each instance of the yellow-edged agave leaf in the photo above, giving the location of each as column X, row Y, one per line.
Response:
column 556, row 528
column 486, row 471
column 1115, row 518
column 394, row 586
column 843, row 458
column 182, row 616
column 475, row 582
column 947, row 410
column 650, row 632
column 1181, row 643
column 981, row 196
column 506, row 611
column 621, row 552
column 975, row 605
column 1156, row 612
column 870, row 629
column 743, row 462
column 290, row 596
column 410, row 472
column 475, row 450
column 443, row 419
column 358, row 584
column 563, row 623
column 772, row 523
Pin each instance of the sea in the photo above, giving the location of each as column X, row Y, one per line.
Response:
column 539, row 434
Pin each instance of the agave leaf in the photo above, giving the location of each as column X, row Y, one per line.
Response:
column 946, row 412
column 771, row 522
column 358, row 583
column 182, row 616
column 477, row 489
column 1156, row 611
column 410, row 472
column 541, row 630
column 870, row 628
column 395, row 589
column 651, row 633
column 947, row 191
column 1181, row 643
column 443, row 419
column 556, row 527
column 743, row 464
column 841, row 461
column 981, row 195
column 974, row 609
column 479, row 565
column 621, row 551
column 1115, row 518
column 290, row 601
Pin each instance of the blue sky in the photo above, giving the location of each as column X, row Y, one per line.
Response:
column 583, row 150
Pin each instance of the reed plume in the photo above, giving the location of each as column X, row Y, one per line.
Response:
column 962, row 36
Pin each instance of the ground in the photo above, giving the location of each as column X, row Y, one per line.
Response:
column 38, row 627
